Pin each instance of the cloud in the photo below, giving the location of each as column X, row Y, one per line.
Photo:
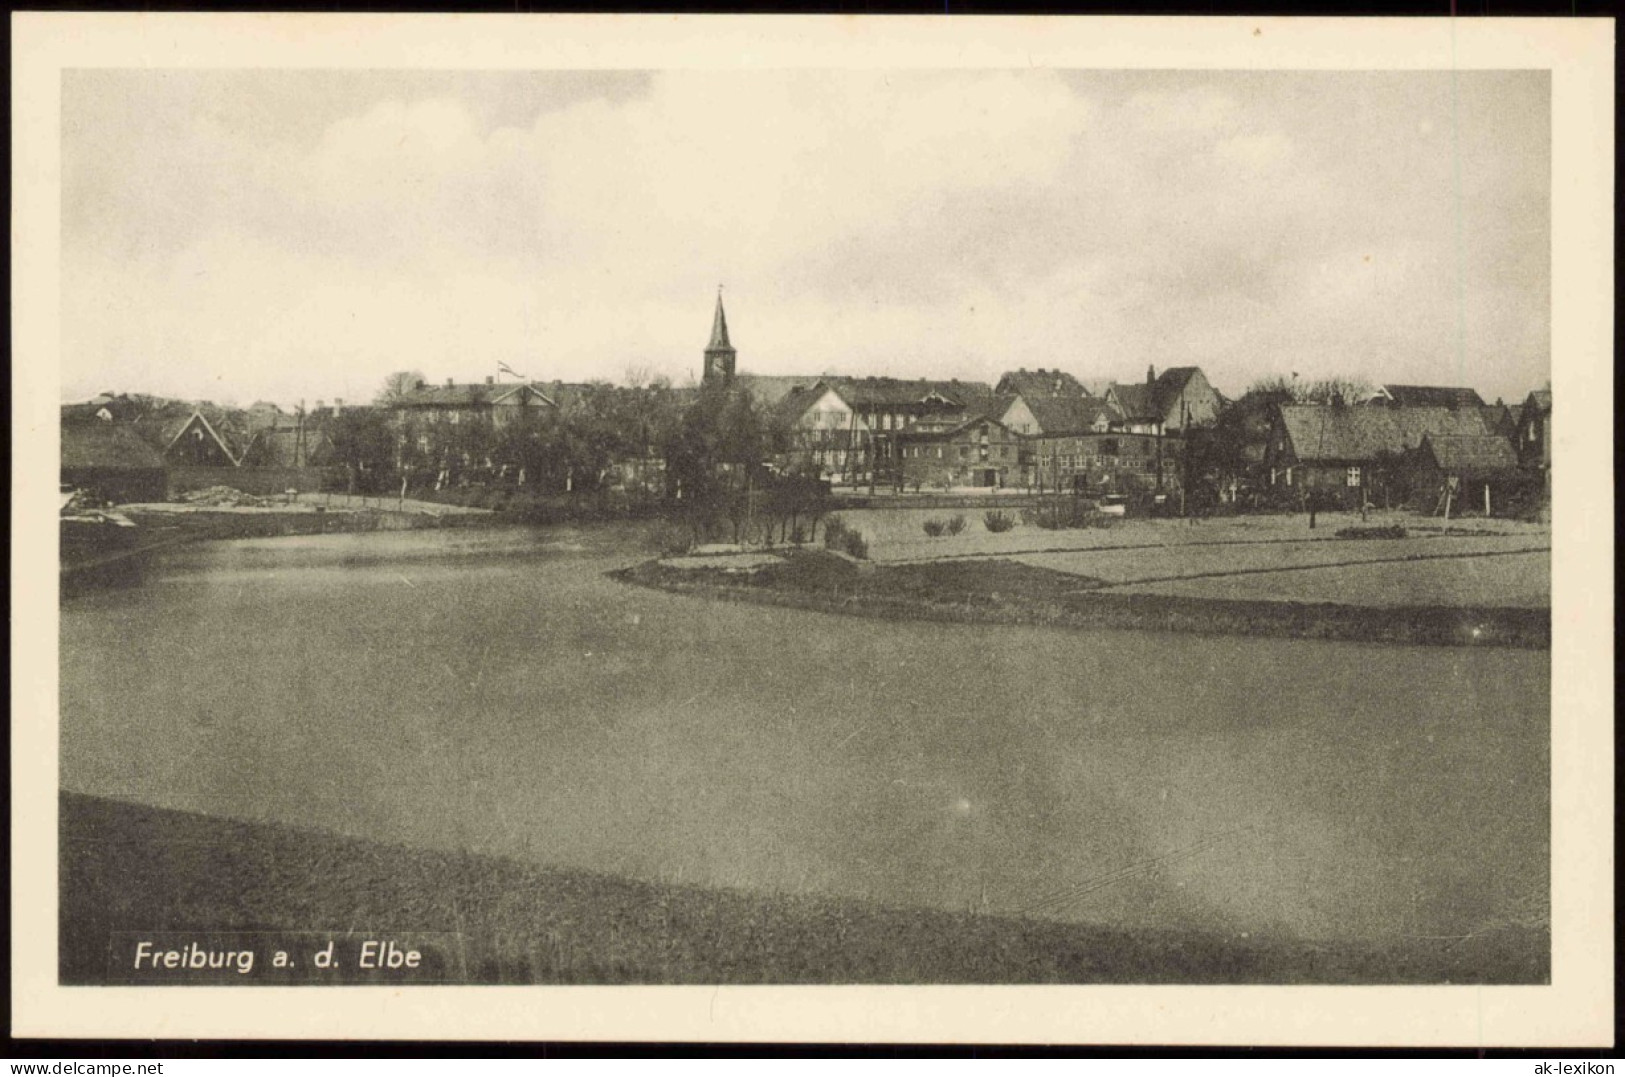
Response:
column 888, row 222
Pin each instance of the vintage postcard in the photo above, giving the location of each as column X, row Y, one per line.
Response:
column 975, row 530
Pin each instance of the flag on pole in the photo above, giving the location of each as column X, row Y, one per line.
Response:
column 504, row 368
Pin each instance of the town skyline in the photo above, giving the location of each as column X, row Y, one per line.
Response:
column 236, row 236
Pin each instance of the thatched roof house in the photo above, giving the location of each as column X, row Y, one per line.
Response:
column 110, row 461
column 1427, row 396
column 1308, row 434
column 1469, row 458
column 1338, row 450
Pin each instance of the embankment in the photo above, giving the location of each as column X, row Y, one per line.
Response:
column 1007, row 593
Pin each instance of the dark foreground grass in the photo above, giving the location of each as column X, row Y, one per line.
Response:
column 1011, row 593
column 130, row 868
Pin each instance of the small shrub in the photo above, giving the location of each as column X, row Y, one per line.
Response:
column 935, row 527
column 1040, row 516
column 956, row 524
column 1393, row 531
column 671, row 539
column 1052, row 515
column 835, row 532
column 996, row 520
column 857, row 545
column 1065, row 512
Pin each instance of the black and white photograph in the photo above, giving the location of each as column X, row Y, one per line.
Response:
column 603, row 522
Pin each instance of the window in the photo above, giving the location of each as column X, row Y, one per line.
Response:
column 1353, row 477
column 939, row 452
column 1289, row 476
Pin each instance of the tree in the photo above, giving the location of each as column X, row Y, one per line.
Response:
column 718, row 456
column 1279, row 389
column 521, row 448
column 398, row 385
column 1220, row 459
column 465, row 448
column 364, row 444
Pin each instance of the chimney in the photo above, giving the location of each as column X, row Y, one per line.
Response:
column 338, row 405
column 421, row 384
column 490, row 379
column 1150, row 374
column 448, row 383
column 320, row 404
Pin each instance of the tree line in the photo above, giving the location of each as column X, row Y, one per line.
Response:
column 709, row 451
column 705, row 454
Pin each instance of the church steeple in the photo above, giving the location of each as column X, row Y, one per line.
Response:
column 719, row 354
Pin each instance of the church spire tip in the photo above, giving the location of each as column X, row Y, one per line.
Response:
column 719, row 325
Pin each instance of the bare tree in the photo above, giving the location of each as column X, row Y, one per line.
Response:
column 1278, row 388
column 1329, row 390
column 397, row 385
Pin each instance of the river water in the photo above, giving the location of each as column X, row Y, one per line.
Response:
column 493, row 691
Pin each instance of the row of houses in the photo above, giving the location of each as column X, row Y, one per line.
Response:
column 1038, row 428
column 206, row 435
column 1043, row 429
column 1447, row 447
column 123, row 445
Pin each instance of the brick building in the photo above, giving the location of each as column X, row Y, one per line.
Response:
column 974, row 451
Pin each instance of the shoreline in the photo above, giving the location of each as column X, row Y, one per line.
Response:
column 1004, row 592
column 157, row 533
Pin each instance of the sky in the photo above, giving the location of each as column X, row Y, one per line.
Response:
column 299, row 235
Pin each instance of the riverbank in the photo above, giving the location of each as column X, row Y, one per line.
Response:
column 1006, row 592
column 126, row 867
column 162, row 525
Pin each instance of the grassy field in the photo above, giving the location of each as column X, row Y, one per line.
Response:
column 1471, row 572
column 129, row 868
column 897, row 534
column 1522, row 580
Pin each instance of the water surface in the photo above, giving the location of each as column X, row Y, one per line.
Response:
column 495, row 692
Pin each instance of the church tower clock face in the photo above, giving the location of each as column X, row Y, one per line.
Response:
column 719, row 354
